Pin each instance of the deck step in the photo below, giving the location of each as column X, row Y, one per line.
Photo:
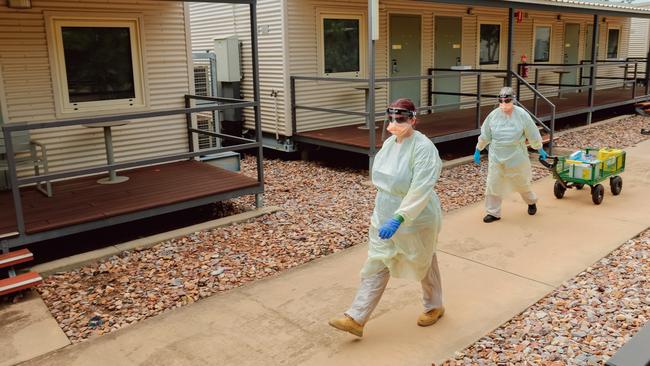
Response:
column 13, row 258
column 21, row 282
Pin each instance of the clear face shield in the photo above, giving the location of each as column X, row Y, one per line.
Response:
column 399, row 115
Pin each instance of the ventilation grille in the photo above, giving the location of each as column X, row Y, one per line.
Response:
column 202, row 80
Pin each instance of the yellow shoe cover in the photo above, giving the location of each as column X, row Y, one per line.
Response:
column 347, row 324
column 430, row 317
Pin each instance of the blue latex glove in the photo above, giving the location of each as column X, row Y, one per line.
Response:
column 542, row 154
column 388, row 229
column 477, row 156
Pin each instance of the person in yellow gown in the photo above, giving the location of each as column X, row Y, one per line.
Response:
column 405, row 222
column 506, row 130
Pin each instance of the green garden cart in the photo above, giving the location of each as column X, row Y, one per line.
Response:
column 571, row 174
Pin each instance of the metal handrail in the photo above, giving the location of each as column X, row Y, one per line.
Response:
column 323, row 78
column 24, row 126
column 550, row 129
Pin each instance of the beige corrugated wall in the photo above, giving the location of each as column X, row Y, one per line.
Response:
column 639, row 37
column 28, row 90
column 210, row 21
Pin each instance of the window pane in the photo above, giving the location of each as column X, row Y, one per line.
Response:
column 490, row 43
column 341, row 45
column 542, row 44
column 612, row 43
column 98, row 63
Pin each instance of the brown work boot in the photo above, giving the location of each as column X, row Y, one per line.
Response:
column 347, row 324
column 430, row 317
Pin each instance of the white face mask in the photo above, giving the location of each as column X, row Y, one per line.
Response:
column 399, row 129
column 506, row 107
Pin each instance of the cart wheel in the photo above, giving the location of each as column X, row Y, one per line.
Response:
column 579, row 185
column 616, row 184
column 558, row 189
column 597, row 193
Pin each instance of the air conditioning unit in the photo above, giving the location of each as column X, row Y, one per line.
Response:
column 206, row 123
column 202, row 80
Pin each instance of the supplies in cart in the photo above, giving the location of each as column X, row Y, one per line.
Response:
column 612, row 159
column 591, row 164
column 583, row 165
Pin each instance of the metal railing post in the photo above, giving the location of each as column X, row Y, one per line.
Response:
column 519, row 68
column 478, row 100
column 188, row 122
column 430, row 90
column 535, row 104
column 636, row 64
column 580, row 76
column 294, row 123
column 13, row 180
column 647, row 73
column 552, row 131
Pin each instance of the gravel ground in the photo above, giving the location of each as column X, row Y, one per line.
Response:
column 584, row 322
column 324, row 210
column 621, row 133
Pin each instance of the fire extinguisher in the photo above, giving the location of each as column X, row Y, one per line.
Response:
column 524, row 67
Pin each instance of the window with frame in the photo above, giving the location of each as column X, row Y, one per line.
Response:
column 490, row 44
column 98, row 64
column 341, row 47
column 542, row 44
column 612, row 42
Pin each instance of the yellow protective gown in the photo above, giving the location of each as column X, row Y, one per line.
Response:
column 405, row 175
column 509, row 166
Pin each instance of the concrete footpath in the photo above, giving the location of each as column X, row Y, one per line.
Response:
column 490, row 273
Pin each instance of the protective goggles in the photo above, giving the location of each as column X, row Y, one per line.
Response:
column 505, row 98
column 399, row 115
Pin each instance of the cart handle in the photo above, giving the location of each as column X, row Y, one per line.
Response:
column 547, row 164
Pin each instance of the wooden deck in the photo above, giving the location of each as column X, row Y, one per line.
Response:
column 83, row 200
column 574, row 103
column 449, row 122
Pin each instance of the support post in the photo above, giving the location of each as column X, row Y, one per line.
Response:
column 647, row 73
column 592, row 74
column 636, row 71
column 535, row 100
column 372, row 149
column 294, row 122
column 430, row 91
column 13, row 181
column 259, row 200
column 188, row 122
column 509, row 58
column 478, row 100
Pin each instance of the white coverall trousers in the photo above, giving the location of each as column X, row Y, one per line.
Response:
column 371, row 289
column 493, row 203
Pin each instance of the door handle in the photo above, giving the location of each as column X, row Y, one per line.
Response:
column 394, row 67
column 458, row 61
